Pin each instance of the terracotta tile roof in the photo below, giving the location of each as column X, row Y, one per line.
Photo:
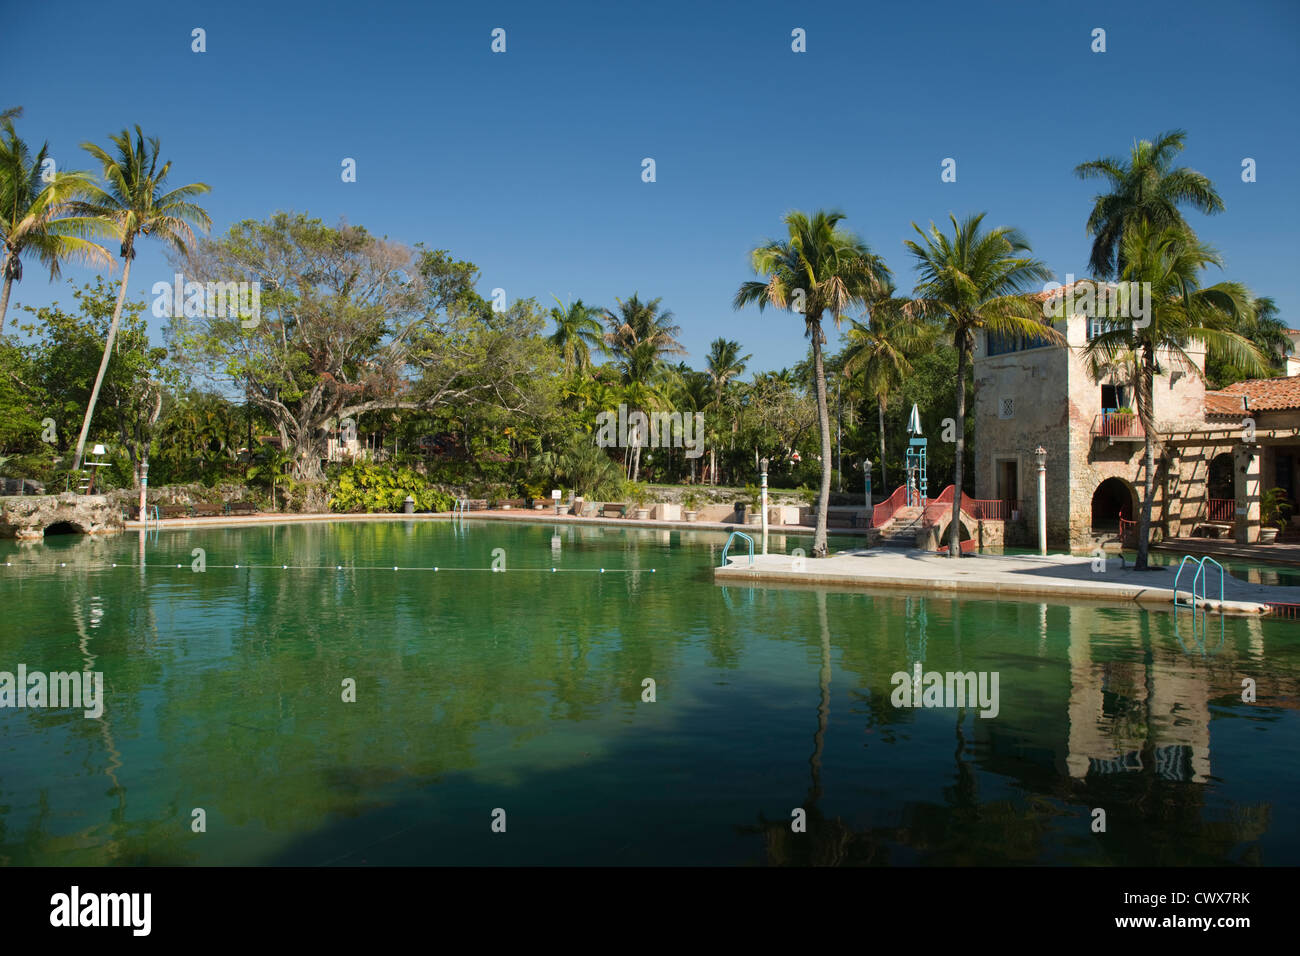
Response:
column 1224, row 403
column 1265, row 394
column 1099, row 287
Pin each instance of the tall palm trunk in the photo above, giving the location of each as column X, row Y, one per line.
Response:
column 880, row 410
column 103, row 365
column 1146, row 395
column 4, row 293
column 954, row 532
column 824, row 420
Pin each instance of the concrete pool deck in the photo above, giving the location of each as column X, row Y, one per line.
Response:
column 1019, row 577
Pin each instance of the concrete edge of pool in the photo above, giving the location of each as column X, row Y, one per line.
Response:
column 1063, row 577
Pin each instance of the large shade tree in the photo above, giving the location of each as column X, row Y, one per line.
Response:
column 976, row 279
column 819, row 268
column 1183, row 313
column 351, row 324
column 133, row 202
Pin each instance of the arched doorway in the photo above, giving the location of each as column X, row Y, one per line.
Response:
column 1113, row 499
column 1219, row 483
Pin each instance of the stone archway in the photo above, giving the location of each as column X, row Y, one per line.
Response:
column 1113, row 499
column 1220, row 480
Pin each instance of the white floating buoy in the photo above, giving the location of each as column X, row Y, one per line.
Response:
column 284, row 567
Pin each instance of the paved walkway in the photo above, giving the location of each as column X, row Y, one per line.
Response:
column 1064, row 577
column 1275, row 553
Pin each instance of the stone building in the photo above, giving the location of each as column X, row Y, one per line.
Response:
column 1220, row 449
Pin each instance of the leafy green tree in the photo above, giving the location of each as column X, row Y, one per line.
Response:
column 37, row 215
column 976, row 279
column 820, row 267
column 1144, row 187
column 65, row 351
column 1268, row 332
column 135, row 204
column 1183, row 311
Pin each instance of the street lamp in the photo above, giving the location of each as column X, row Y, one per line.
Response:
column 1040, row 458
column 866, row 470
column 762, row 471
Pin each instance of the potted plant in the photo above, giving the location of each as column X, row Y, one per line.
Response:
column 1275, row 510
column 691, row 504
column 640, row 499
column 755, row 504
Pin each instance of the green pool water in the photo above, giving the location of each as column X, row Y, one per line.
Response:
column 522, row 691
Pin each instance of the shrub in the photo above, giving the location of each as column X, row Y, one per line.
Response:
column 366, row 486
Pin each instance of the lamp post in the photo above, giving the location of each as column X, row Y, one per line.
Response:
column 144, row 486
column 1040, row 457
column 762, row 466
column 866, row 470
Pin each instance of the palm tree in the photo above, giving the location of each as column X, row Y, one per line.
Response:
column 976, row 279
column 641, row 336
column 1144, row 187
column 36, row 217
column 724, row 364
column 876, row 357
column 820, row 267
column 134, row 204
column 271, row 465
column 1182, row 312
column 577, row 332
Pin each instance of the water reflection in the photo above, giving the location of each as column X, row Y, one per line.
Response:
column 525, row 691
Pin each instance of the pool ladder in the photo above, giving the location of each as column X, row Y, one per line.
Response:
column 1199, row 581
column 727, row 547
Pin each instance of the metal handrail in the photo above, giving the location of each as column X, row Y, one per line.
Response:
column 1178, row 576
column 727, row 547
column 1207, row 560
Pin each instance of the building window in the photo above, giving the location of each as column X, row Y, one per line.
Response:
column 1007, row 408
column 1113, row 397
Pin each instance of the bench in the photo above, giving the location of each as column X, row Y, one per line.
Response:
column 613, row 510
column 541, row 504
column 207, row 509
column 512, row 503
column 174, row 511
column 241, row 508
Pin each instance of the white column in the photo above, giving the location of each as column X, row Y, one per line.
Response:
column 1041, row 454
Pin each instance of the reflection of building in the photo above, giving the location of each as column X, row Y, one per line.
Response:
column 1212, row 473
column 1118, row 709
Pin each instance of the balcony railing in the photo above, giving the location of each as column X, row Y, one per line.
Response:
column 1117, row 425
column 1220, row 509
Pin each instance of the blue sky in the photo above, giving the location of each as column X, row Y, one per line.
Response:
column 528, row 163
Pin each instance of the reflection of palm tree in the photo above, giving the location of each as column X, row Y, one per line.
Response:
column 827, row 841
